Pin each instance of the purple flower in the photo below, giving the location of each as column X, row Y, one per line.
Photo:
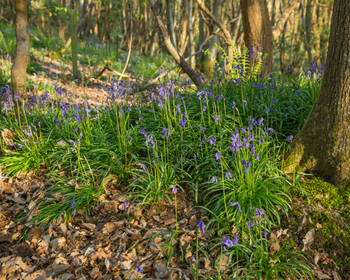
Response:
column 290, row 138
column 265, row 233
column 129, row 139
column 201, row 226
column 194, row 259
column 204, row 108
column 256, row 158
column 238, row 205
column 74, row 212
column 227, row 242
column 142, row 166
column 228, row 175
column 212, row 141
column 259, row 213
column 72, row 204
column 183, row 123
column 216, row 118
column 235, row 239
column 15, row 97
column 217, row 156
column 233, row 104
column 173, row 188
column 250, row 224
column 124, row 206
column 139, row 269
column 144, row 132
column 214, row 179
column 224, row 249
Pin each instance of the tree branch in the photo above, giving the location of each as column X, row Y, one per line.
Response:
column 278, row 28
column 171, row 49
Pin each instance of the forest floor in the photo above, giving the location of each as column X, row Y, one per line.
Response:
column 110, row 242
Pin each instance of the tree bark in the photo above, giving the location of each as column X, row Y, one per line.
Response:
column 167, row 42
column 323, row 144
column 257, row 28
column 19, row 68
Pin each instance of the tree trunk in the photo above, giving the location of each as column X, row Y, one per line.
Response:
column 209, row 60
column 171, row 22
column 257, row 28
column 189, row 4
column 166, row 39
column 182, row 44
column 19, row 68
column 309, row 28
column 323, row 144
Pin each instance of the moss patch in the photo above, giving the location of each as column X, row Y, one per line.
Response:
column 328, row 195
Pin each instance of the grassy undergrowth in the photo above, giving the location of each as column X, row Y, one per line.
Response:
column 225, row 141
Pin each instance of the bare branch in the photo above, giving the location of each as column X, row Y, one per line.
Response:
column 171, row 49
column 278, row 28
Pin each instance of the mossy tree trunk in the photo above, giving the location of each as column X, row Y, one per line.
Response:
column 323, row 144
column 19, row 68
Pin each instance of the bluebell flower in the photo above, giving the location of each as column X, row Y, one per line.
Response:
column 212, row 141
column 74, row 212
column 238, row 205
column 214, row 179
column 139, row 269
column 235, row 239
column 250, row 224
column 264, row 233
column 216, row 118
column 224, row 249
column 173, row 189
column 289, row 138
column 228, row 175
column 194, row 259
column 129, row 139
column 256, row 158
column 72, row 204
column 201, row 226
column 217, row 156
column 204, row 108
column 15, row 97
column 182, row 123
column 227, row 242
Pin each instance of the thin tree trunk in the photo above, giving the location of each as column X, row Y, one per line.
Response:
column 171, row 22
column 167, row 42
column 183, row 34
column 19, row 68
column 189, row 4
column 323, row 144
column 309, row 28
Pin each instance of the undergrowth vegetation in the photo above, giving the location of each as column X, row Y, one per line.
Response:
column 225, row 141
